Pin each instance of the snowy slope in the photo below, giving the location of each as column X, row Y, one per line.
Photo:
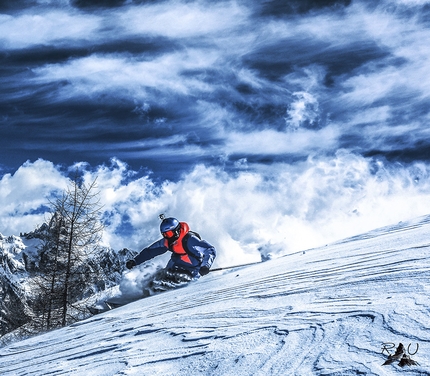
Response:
column 326, row 311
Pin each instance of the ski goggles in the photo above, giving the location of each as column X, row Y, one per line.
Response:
column 168, row 234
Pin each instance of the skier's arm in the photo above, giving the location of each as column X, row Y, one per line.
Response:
column 202, row 250
column 209, row 256
column 155, row 249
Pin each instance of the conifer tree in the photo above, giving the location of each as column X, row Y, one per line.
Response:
column 66, row 271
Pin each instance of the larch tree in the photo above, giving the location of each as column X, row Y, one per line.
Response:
column 73, row 237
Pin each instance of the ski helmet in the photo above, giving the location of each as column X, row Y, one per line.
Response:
column 170, row 228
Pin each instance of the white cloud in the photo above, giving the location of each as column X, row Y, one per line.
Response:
column 25, row 30
column 271, row 142
column 304, row 109
column 220, row 23
column 121, row 76
column 26, row 191
column 371, row 115
column 179, row 20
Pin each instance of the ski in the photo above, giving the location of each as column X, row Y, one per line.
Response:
column 95, row 310
column 234, row 266
column 113, row 305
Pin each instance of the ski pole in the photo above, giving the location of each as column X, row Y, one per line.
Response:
column 233, row 266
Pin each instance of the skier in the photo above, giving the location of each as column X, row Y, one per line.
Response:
column 191, row 257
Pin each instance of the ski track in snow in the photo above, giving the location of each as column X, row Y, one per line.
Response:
column 325, row 311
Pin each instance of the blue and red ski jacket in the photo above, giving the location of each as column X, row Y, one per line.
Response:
column 189, row 252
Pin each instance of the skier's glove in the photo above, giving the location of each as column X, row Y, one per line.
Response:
column 203, row 270
column 130, row 264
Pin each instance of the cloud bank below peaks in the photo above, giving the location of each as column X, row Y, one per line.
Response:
column 246, row 214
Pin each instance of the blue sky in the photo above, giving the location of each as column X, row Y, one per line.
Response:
column 328, row 96
column 165, row 84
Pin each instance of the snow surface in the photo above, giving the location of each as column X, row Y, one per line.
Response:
column 324, row 311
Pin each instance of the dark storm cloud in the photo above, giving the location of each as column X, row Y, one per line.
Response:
column 10, row 5
column 188, row 82
column 97, row 3
column 277, row 60
column 419, row 152
column 39, row 117
column 94, row 4
column 39, row 55
column 280, row 8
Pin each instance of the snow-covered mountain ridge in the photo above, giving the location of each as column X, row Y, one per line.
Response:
column 325, row 311
column 20, row 259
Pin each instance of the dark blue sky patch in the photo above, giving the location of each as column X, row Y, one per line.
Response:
column 11, row 5
column 17, row 60
column 281, row 8
column 424, row 15
column 84, row 4
column 275, row 61
column 265, row 159
column 260, row 115
column 420, row 152
column 40, row 210
column 125, row 228
column 22, row 59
